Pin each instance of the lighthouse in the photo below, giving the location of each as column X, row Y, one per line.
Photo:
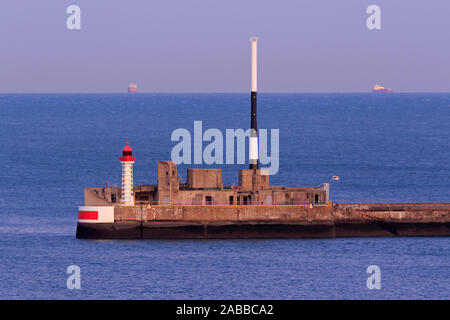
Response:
column 127, row 161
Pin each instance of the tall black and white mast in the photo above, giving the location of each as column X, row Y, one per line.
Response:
column 253, row 123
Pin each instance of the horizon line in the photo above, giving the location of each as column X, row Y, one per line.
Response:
column 228, row 92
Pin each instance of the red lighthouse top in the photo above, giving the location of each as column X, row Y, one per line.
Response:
column 127, row 154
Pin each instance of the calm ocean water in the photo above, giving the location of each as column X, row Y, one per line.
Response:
column 385, row 148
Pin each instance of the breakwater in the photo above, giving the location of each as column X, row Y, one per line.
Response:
column 272, row 221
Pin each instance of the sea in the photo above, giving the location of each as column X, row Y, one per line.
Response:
column 384, row 148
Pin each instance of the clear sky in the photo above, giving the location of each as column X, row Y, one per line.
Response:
column 202, row 46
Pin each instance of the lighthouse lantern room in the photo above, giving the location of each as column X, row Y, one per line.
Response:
column 127, row 161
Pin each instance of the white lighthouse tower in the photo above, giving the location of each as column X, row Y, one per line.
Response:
column 127, row 161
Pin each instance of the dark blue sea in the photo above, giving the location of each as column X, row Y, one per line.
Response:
column 384, row 148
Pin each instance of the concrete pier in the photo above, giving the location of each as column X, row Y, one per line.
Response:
column 272, row 221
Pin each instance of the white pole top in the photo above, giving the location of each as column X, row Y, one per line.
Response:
column 254, row 42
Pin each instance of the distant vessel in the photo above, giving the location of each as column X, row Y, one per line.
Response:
column 132, row 88
column 378, row 88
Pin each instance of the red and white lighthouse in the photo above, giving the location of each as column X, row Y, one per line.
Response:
column 127, row 161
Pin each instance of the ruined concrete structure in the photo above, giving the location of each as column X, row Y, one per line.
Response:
column 205, row 187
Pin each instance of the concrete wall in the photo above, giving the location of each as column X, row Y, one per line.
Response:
column 251, row 179
column 360, row 213
column 204, row 178
column 198, row 197
column 392, row 212
column 212, row 214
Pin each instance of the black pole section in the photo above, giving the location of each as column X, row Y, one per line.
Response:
column 253, row 126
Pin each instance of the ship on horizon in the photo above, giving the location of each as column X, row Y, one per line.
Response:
column 132, row 88
column 379, row 88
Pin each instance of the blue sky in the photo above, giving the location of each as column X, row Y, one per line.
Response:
column 202, row 46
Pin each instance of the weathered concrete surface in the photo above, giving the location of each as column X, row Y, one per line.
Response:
column 211, row 214
column 260, row 221
column 392, row 219
column 391, row 212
